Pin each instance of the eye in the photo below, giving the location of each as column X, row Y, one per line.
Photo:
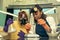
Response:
column 35, row 13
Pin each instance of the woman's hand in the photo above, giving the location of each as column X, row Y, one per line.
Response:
column 9, row 21
column 28, row 27
column 41, row 21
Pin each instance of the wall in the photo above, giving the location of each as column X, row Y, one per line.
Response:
column 6, row 3
column 58, row 13
column 2, row 16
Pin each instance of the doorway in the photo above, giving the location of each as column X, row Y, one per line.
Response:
column 10, row 10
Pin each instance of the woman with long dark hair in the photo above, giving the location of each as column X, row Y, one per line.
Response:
column 41, row 23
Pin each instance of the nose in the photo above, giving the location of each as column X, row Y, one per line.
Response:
column 23, row 15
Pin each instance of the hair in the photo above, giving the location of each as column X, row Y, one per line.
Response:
column 43, row 16
column 20, row 15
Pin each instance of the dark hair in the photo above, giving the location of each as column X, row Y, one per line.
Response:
column 43, row 16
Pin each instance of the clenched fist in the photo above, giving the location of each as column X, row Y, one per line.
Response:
column 41, row 21
column 28, row 27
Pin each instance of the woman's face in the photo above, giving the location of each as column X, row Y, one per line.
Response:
column 37, row 15
column 23, row 18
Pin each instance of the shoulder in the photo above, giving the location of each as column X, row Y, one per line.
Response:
column 15, row 22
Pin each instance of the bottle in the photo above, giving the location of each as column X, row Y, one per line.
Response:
column 32, row 30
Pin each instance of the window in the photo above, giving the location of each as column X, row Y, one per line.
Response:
column 16, row 11
column 51, row 12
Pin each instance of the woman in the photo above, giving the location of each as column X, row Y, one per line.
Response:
column 20, row 27
column 41, row 24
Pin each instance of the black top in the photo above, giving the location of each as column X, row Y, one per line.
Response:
column 41, row 31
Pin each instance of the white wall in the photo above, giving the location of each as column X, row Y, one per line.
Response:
column 58, row 13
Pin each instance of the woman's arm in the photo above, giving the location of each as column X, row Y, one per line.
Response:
column 44, row 24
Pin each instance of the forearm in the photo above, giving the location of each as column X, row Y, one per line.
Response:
column 46, row 27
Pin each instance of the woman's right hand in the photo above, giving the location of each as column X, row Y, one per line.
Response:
column 28, row 27
column 41, row 21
